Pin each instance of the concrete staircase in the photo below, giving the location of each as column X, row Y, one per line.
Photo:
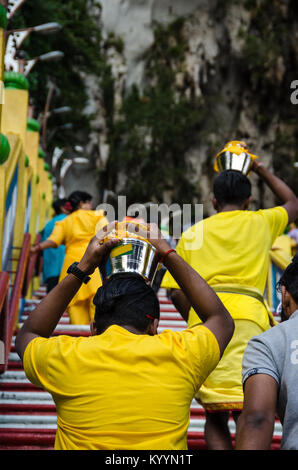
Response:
column 28, row 414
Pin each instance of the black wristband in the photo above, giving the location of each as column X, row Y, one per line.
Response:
column 73, row 269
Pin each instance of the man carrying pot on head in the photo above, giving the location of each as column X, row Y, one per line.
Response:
column 124, row 387
column 233, row 258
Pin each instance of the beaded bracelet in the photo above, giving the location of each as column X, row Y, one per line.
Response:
column 162, row 260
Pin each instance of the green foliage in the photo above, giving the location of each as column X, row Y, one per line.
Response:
column 156, row 127
column 79, row 39
column 271, row 62
column 265, row 43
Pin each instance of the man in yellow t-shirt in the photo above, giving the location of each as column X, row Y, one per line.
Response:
column 230, row 250
column 124, row 387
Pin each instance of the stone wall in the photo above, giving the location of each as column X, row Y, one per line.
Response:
column 246, row 94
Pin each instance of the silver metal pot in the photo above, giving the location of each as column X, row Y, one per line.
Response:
column 232, row 161
column 133, row 256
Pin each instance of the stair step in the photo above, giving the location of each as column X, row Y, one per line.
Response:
column 27, row 439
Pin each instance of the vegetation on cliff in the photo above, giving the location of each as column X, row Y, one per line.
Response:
column 151, row 133
column 79, row 39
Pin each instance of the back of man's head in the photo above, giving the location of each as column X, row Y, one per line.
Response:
column 231, row 187
column 58, row 204
column 289, row 279
column 125, row 300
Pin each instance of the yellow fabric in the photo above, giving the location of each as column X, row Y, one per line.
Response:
column 247, row 291
column 235, row 250
column 223, row 388
column 82, row 312
column 75, row 232
column 284, row 243
column 119, row 390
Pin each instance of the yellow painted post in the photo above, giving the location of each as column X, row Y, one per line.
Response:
column 14, row 123
column 3, row 25
column 50, row 197
column 10, row 171
column 43, row 188
column 4, row 153
column 32, row 146
column 47, row 195
column 5, row 179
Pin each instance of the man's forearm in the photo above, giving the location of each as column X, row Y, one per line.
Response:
column 47, row 244
column 181, row 303
column 254, row 432
column 199, row 294
column 44, row 319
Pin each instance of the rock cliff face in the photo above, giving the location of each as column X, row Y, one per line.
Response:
column 182, row 78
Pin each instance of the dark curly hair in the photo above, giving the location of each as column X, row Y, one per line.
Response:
column 75, row 198
column 289, row 279
column 231, row 187
column 125, row 299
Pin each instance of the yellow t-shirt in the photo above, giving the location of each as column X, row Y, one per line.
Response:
column 119, row 390
column 75, row 232
column 233, row 248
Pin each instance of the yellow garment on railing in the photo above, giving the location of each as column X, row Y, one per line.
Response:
column 281, row 252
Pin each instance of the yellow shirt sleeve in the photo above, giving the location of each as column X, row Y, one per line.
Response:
column 203, row 352
column 45, row 362
column 35, row 360
column 277, row 220
column 58, row 234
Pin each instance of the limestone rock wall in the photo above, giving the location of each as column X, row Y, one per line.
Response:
column 240, row 72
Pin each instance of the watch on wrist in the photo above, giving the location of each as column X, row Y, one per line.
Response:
column 73, row 269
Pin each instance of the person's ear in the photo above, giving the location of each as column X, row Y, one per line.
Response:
column 246, row 203
column 285, row 301
column 152, row 328
column 155, row 325
column 215, row 204
column 93, row 328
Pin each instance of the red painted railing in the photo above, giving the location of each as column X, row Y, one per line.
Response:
column 11, row 300
column 33, row 267
column 4, row 313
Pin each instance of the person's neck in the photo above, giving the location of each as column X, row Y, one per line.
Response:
column 230, row 208
column 129, row 328
column 294, row 309
column 133, row 330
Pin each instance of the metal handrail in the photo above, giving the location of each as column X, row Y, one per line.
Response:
column 11, row 314
column 33, row 267
column 4, row 313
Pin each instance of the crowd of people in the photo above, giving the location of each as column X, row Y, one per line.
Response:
column 128, row 387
